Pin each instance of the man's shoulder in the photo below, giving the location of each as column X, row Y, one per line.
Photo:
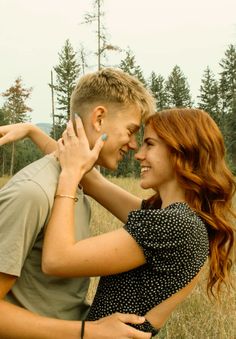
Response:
column 37, row 181
column 46, row 164
column 42, row 172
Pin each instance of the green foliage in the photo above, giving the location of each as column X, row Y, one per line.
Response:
column 128, row 65
column 177, row 89
column 26, row 152
column 58, row 130
column 157, row 86
column 14, row 110
column 67, row 71
column 209, row 96
column 228, row 101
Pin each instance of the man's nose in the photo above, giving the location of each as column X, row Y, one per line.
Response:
column 133, row 143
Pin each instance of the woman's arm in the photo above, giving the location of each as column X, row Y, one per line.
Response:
column 114, row 198
column 10, row 133
column 106, row 254
column 102, row 255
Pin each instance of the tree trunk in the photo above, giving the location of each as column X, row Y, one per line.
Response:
column 3, row 163
column 12, row 159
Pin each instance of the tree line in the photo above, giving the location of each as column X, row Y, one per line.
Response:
column 217, row 96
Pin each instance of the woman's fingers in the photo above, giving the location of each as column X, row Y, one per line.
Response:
column 99, row 145
column 79, row 127
column 60, row 145
column 70, row 130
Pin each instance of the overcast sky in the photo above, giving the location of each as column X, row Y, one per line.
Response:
column 161, row 33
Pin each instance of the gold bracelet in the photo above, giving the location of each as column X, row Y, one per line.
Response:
column 66, row 196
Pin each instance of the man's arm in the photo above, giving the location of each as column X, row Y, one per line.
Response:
column 18, row 323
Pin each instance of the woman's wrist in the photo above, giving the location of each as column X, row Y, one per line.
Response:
column 67, row 183
column 69, row 176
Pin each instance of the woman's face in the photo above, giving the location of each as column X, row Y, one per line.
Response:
column 154, row 157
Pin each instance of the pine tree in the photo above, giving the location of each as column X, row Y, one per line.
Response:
column 177, row 89
column 96, row 16
column 67, row 72
column 228, row 100
column 209, row 96
column 15, row 106
column 128, row 65
column 228, row 77
column 157, row 87
column 16, row 110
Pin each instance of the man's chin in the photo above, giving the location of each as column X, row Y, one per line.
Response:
column 111, row 166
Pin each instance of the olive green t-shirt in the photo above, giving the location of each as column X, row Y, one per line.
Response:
column 25, row 206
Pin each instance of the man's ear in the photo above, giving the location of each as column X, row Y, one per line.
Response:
column 98, row 115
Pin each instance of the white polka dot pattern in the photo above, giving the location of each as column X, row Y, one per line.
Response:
column 175, row 243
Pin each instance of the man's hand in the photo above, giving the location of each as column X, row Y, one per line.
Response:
column 115, row 327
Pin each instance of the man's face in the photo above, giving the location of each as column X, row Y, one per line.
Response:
column 120, row 128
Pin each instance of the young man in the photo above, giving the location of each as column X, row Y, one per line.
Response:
column 39, row 306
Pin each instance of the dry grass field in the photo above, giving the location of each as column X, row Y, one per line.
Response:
column 197, row 317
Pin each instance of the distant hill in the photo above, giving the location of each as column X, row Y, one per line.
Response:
column 46, row 127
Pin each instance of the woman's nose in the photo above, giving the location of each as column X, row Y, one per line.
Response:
column 139, row 155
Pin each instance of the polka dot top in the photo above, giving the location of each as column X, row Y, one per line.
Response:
column 175, row 243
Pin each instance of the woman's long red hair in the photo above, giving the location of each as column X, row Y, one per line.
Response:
column 198, row 155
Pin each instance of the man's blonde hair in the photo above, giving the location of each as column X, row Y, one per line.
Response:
column 111, row 86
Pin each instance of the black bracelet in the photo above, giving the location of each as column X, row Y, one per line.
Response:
column 82, row 329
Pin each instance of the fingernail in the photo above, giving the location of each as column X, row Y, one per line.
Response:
column 104, row 137
column 77, row 115
column 68, row 123
column 142, row 318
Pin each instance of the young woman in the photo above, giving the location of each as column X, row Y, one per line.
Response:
column 167, row 239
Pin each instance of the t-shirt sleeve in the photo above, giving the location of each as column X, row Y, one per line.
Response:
column 169, row 240
column 23, row 210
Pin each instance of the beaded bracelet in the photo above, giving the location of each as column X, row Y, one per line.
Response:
column 66, row 196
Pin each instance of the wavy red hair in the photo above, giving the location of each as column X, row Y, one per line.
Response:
column 198, row 155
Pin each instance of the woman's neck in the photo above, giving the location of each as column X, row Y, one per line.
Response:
column 171, row 193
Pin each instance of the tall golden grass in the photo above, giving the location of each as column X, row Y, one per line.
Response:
column 197, row 317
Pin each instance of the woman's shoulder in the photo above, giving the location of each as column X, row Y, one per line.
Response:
column 173, row 216
column 178, row 209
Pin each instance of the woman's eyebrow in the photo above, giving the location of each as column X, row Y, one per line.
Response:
column 149, row 139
